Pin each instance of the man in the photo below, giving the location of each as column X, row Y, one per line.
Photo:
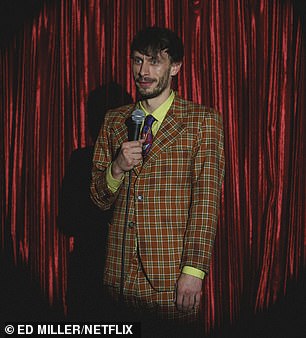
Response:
column 175, row 186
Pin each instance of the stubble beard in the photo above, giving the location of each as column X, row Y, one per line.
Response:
column 160, row 88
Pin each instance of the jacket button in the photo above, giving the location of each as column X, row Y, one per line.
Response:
column 131, row 224
column 140, row 197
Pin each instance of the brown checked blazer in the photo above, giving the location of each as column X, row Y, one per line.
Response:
column 174, row 197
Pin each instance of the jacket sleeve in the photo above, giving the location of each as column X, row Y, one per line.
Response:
column 101, row 195
column 207, row 176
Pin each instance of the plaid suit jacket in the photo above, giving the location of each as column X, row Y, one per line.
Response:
column 174, row 197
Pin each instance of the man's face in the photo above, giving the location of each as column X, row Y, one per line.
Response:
column 152, row 74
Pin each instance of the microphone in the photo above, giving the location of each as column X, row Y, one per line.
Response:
column 134, row 126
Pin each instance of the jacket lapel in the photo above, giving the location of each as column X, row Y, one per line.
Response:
column 121, row 134
column 170, row 129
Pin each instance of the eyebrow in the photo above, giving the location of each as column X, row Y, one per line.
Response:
column 150, row 57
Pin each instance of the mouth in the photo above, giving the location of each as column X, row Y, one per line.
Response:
column 145, row 82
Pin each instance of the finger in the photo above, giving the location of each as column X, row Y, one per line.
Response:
column 137, row 143
column 136, row 156
column 185, row 303
column 197, row 300
column 188, row 302
column 131, row 144
column 174, row 295
column 179, row 301
column 136, row 151
column 132, row 154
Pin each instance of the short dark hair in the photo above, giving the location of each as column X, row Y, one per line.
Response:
column 153, row 40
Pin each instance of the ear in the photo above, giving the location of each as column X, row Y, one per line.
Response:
column 175, row 68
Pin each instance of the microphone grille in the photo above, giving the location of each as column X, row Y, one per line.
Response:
column 138, row 116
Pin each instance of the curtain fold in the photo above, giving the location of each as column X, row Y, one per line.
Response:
column 246, row 58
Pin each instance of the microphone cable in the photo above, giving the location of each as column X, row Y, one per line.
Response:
column 133, row 134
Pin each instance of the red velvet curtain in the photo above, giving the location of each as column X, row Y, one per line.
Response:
column 246, row 58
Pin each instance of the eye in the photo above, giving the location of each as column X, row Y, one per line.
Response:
column 154, row 62
column 137, row 61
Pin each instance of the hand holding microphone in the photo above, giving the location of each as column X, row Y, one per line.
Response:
column 130, row 153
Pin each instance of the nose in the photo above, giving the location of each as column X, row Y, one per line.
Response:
column 144, row 68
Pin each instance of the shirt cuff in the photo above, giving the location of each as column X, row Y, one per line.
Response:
column 112, row 183
column 189, row 270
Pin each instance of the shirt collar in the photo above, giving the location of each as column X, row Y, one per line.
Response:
column 160, row 112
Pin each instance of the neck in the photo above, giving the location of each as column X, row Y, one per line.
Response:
column 151, row 104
